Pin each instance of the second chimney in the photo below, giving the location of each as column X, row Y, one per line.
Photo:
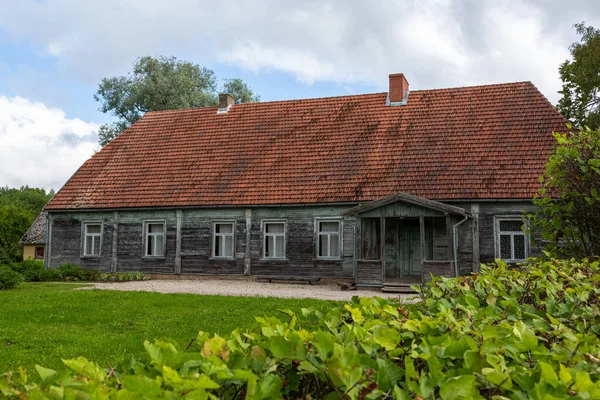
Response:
column 398, row 89
column 225, row 102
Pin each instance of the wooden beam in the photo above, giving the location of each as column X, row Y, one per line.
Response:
column 48, row 247
column 382, row 247
column 475, row 232
column 179, row 217
column 449, row 234
column 115, row 242
column 247, row 255
column 422, row 239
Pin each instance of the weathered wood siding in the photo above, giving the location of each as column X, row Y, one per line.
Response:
column 301, row 258
column 369, row 272
column 196, row 241
column 487, row 212
column 437, row 268
column 66, row 242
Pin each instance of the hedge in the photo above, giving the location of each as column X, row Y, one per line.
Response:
column 528, row 332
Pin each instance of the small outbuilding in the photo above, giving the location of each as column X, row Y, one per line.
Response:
column 34, row 240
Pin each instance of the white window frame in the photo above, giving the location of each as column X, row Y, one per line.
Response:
column 85, row 236
column 264, row 224
column 147, row 234
column 318, row 234
column 512, row 234
column 214, row 235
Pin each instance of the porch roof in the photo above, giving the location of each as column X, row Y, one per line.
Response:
column 406, row 198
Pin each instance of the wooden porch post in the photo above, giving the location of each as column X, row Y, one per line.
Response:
column 382, row 247
column 450, row 241
column 422, row 239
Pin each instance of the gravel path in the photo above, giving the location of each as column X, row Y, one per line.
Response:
column 225, row 287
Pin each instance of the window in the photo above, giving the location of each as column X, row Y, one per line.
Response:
column 511, row 241
column 155, row 239
column 39, row 252
column 274, row 240
column 92, row 237
column 329, row 239
column 223, row 239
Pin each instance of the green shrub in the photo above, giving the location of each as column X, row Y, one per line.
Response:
column 526, row 332
column 9, row 279
column 32, row 270
column 71, row 272
column 90, row 275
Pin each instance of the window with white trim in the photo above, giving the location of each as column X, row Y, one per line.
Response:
column 512, row 243
column 155, row 238
column 223, row 239
column 329, row 239
column 92, row 237
column 274, row 240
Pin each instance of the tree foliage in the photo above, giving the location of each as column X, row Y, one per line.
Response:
column 519, row 333
column 569, row 199
column 158, row 84
column 240, row 91
column 18, row 209
column 580, row 100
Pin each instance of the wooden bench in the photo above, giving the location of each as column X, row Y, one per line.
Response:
column 304, row 280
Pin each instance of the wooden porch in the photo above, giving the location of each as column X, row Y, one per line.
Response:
column 402, row 240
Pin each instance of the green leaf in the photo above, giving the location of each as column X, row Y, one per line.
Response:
column 460, row 387
column 269, row 387
column 525, row 335
column 400, row 394
column 86, row 368
column 386, row 337
column 388, row 374
column 548, row 374
column 456, row 348
column 45, row 373
column 472, row 301
column 564, row 374
column 142, row 385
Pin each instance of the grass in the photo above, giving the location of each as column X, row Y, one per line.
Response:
column 40, row 323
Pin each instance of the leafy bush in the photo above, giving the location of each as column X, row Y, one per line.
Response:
column 9, row 279
column 71, row 272
column 528, row 332
column 568, row 216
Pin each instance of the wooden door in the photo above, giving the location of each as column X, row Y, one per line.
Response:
column 410, row 248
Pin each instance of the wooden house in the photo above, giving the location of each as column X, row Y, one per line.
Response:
column 376, row 188
column 34, row 239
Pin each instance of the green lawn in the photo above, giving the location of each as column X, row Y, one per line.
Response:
column 40, row 323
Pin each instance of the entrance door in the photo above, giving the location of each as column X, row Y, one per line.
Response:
column 410, row 247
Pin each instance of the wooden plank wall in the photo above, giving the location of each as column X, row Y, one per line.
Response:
column 487, row 211
column 196, row 245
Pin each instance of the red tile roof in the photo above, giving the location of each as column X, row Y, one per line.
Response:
column 481, row 142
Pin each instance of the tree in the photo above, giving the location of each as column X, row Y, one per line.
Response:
column 580, row 100
column 18, row 209
column 569, row 199
column 158, row 84
column 240, row 91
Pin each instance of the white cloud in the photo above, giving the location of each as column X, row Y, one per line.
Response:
column 436, row 43
column 40, row 146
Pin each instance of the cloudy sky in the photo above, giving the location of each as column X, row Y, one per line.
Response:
column 54, row 53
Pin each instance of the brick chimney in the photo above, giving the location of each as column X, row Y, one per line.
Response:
column 225, row 102
column 398, row 89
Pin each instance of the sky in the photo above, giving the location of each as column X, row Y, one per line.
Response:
column 54, row 53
